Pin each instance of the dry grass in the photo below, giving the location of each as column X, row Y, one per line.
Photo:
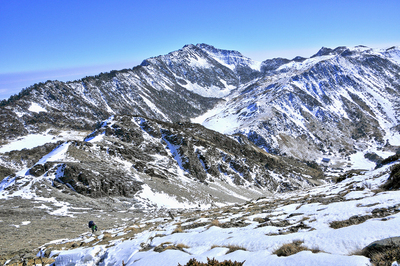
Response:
column 215, row 222
column 384, row 256
column 351, row 221
column 212, row 262
column 162, row 247
column 376, row 213
column 168, row 245
column 181, row 246
column 292, row 248
column 259, row 219
column 305, row 218
column 231, row 248
column 178, row 229
column 377, row 190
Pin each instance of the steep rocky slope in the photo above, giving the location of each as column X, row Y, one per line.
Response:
column 335, row 103
column 128, row 156
column 173, row 87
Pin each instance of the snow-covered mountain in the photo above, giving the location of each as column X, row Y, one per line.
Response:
column 333, row 104
column 340, row 104
column 129, row 156
column 173, row 87
column 198, row 128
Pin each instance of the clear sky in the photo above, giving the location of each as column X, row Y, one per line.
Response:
column 67, row 40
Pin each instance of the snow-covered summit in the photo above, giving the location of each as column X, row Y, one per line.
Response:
column 230, row 58
column 334, row 103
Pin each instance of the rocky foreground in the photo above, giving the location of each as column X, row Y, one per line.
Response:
column 325, row 225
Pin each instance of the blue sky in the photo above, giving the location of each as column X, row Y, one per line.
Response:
column 67, row 40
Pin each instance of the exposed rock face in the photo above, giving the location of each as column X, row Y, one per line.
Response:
column 96, row 180
column 393, row 181
column 126, row 153
column 201, row 153
column 26, row 158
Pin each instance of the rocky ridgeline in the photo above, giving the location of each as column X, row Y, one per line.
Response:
column 165, row 151
column 330, row 104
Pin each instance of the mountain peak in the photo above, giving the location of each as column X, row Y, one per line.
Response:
column 323, row 51
column 229, row 58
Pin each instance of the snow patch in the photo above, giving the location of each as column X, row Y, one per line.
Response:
column 36, row 108
column 162, row 199
column 34, row 140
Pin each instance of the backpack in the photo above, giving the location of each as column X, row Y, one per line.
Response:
column 91, row 224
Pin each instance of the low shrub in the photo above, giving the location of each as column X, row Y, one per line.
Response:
column 212, row 262
column 346, row 175
column 168, row 245
column 178, row 229
column 215, row 222
column 351, row 221
column 292, row 248
column 232, row 248
column 384, row 256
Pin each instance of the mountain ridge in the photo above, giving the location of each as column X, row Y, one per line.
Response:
column 187, row 83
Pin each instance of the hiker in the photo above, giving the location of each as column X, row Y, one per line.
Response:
column 93, row 226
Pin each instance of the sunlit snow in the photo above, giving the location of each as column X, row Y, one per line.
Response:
column 337, row 246
column 34, row 140
column 162, row 199
column 27, row 142
column 36, row 108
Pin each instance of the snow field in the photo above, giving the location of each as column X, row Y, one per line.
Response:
column 258, row 244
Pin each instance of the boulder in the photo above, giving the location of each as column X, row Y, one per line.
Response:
column 381, row 245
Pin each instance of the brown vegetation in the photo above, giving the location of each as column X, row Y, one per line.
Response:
column 383, row 256
column 358, row 219
column 232, row 248
column 293, row 248
column 168, row 245
column 212, row 262
column 178, row 229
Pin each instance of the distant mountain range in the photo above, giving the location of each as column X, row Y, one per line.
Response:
column 331, row 105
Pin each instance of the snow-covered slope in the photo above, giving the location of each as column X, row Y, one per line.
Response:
column 332, row 224
column 143, row 159
column 330, row 105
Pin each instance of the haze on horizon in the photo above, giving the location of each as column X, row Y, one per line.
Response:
column 47, row 40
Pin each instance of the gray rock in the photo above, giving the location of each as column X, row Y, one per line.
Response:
column 381, row 245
